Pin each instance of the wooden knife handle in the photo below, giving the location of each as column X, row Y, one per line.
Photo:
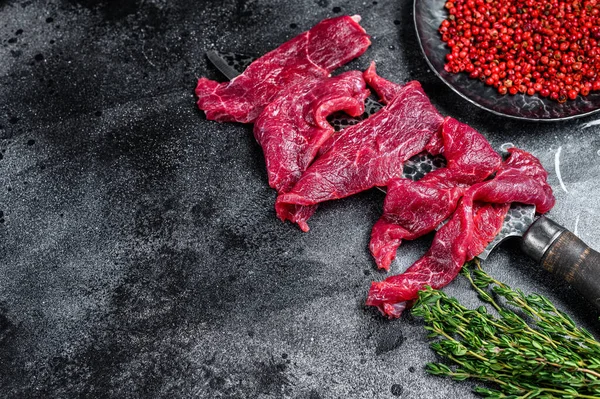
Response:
column 565, row 255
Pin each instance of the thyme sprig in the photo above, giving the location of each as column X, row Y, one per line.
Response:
column 528, row 349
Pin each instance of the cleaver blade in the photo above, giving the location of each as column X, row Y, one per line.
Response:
column 517, row 221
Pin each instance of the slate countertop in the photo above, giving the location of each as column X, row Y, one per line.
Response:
column 140, row 252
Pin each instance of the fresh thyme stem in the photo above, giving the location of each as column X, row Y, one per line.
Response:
column 530, row 350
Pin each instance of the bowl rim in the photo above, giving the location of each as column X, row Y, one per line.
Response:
column 435, row 71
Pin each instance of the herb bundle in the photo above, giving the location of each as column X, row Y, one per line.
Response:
column 530, row 350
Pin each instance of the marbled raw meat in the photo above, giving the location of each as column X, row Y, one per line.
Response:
column 473, row 225
column 292, row 128
column 412, row 209
column 372, row 152
column 313, row 54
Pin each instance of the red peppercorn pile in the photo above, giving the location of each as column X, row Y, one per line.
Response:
column 548, row 47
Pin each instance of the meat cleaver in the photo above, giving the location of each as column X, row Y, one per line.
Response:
column 554, row 247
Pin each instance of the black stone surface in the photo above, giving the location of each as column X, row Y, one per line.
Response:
column 140, row 253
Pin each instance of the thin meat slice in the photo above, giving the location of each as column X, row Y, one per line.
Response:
column 473, row 225
column 412, row 209
column 315, row 53
column 385, row 89
column 370, row 153
column 487, row 223
column 293, row 127
column 432, row 204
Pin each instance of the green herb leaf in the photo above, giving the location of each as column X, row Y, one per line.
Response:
column 544, row 355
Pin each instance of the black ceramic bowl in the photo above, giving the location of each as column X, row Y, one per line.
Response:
column 428, row 15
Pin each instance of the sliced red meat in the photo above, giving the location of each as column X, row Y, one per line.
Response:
column 522, row 179
column 370, row 153
column 473, row 225
column 293, row 127
column 487, row 223
column 315, row 53
column 386, row 90
column 412, row 209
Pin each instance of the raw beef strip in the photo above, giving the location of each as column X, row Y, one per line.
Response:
column 372, row 152
column 293, row 127
column 412, row 209
column 385, row 89
column 315, row 53
column 473, row 225
column 487, row 223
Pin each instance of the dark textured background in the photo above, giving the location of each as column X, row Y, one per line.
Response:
column 140, row 253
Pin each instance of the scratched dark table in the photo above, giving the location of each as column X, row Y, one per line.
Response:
column 140, row 255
